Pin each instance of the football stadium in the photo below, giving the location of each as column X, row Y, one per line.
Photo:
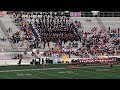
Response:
column 59, row 45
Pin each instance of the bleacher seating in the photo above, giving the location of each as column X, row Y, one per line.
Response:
column 72, row 29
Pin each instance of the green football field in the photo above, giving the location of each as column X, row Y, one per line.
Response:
column 60, row 71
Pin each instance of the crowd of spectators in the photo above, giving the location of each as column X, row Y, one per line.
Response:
column 46, row 28
column 60, row 29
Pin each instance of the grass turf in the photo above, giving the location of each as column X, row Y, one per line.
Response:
column 60, row 71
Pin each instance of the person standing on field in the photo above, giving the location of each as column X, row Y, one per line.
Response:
column 43, row 63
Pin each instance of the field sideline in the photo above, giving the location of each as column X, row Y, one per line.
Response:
column 60, row 72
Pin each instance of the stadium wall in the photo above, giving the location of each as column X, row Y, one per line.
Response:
column 13, row 62
column 27, row 62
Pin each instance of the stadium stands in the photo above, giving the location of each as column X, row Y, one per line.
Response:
column 78, row 37
column 42, row 29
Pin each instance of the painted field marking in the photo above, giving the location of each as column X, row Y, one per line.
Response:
column 96, row 72
column 54, row 75
column 56, row 69
column 28, row 74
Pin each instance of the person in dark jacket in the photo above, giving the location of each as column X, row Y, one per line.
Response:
column 19, row 63
column 42, row 62
column 46, row 61
column 39, row 60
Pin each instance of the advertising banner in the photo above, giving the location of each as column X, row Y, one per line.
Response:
column 75, row 14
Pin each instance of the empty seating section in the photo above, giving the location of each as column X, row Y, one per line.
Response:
column 9, row 24
column 87, row 25
column 4, row 44
column 112, row 22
